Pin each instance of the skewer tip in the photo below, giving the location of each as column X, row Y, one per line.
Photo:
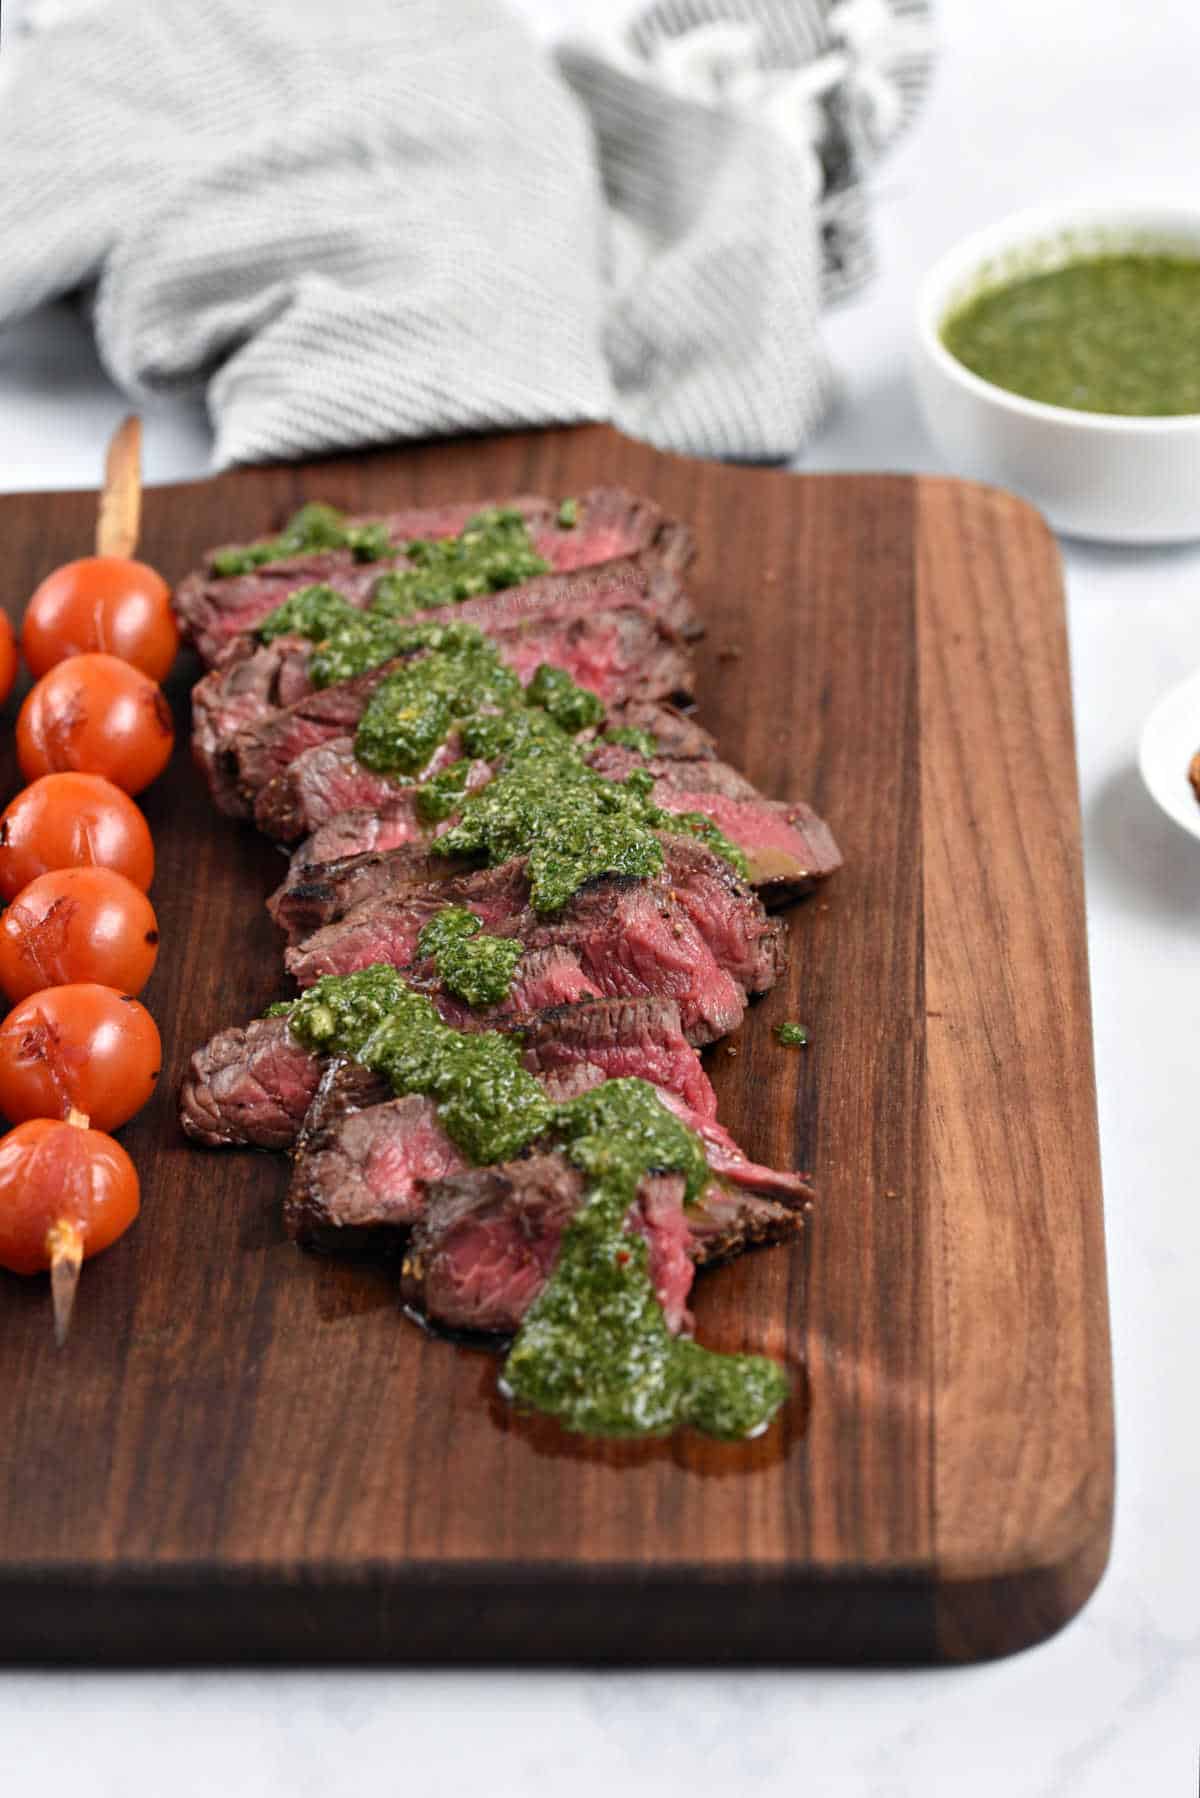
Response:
column 66, row 1259
column 120, row 515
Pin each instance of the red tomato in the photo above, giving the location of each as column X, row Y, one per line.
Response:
column 85, row 1048
column 54, row 1174
column 105, row 603
column 8, row 658
column 77, row 924
column 72, row 821
column 97, row 715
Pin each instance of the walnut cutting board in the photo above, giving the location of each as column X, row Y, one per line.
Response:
column 246, row 1452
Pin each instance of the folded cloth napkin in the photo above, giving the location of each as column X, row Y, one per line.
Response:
column 399, row 219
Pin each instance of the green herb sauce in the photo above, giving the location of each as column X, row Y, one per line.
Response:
column 486, row 1101
column 792, row 1036
column 477, row 967
column 411, row 712
column 494, row 550
column 631, row 738
column 572, row 708
column 314, row 527
column 1115, row 334
column 568, row 514
column 594, row 1349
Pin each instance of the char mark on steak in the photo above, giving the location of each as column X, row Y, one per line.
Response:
column 694, row 933
column 611, row 524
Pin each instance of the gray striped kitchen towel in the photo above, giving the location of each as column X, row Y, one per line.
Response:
column 400, row 219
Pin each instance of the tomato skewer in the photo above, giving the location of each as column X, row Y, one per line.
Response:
column 66, row 1192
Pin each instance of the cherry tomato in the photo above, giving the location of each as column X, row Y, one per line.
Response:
column 77, row 924
column 72, row 821
column 85, row 1047
column 53, row 1174
column 8, row 658
column 98, row 715
column 106, row 603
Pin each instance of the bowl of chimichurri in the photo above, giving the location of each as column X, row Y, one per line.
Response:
column 1058, row 354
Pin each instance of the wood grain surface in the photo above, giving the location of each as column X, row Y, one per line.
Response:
column 247, row 1452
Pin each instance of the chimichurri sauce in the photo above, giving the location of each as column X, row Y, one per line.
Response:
column 314, row 527
column 1115, row 334
column 493, row 550
column 477, row 967
column 594, row 1349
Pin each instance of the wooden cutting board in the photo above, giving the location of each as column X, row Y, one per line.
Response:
column 247, row 1452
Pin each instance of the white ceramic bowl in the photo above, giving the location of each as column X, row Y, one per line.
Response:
column 1126, row 480
column 1170, row 738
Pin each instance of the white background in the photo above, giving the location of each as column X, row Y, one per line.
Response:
column 1035, row 101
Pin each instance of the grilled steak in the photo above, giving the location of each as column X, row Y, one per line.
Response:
column 610, row 524
column 694, row 933
column 788, row 848
column 618, row 654
column 487, row 1239
column 251, row 1087
column 251, row 681
column 389, row 823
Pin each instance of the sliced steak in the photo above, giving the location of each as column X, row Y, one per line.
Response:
column 787, row 846
column 360, row 1175
column 611, row 524
column 250, row 1087
column 251, row 681
column 616, row 654
column 694, row 933
column 488, row 1238
column 610, row 1038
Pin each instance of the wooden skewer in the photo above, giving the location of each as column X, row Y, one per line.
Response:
column 66, row 1257
column 120, row 515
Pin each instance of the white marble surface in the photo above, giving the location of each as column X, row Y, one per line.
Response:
column 1037, row 100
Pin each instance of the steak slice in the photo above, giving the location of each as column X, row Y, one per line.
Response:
column 694, row 933
column 487, row 1239
column 788, row 848
column 617, row 655
column 251, row 1086
column 572, row 1047
column 611, row 524
column 360, row 1174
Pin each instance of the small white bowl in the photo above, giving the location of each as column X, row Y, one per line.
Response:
column 1170, row 738
column 1124, row 480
